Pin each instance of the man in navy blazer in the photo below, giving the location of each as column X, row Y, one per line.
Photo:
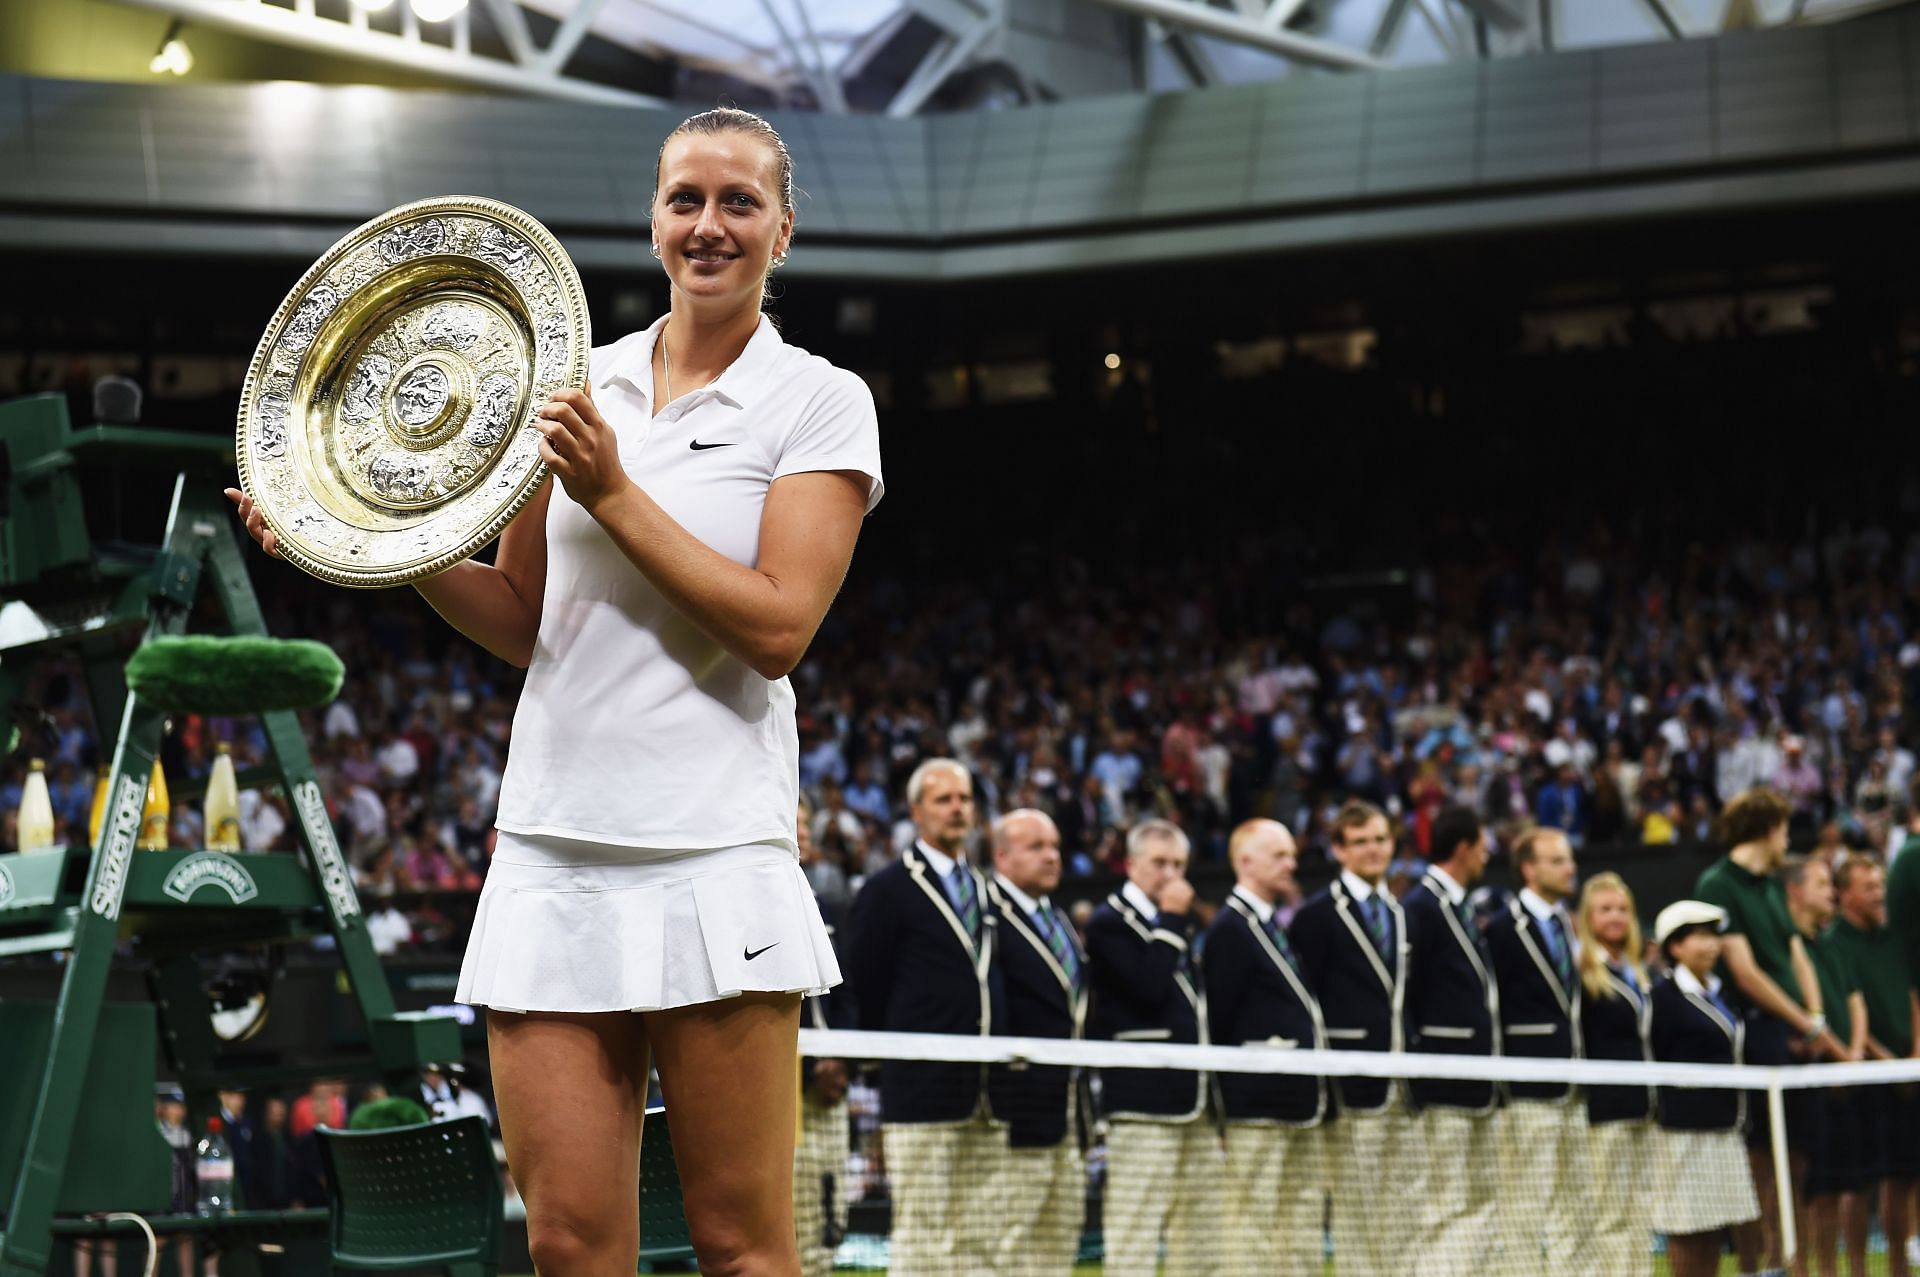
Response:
column 1452, row 1009
column 1546, row 1169
column 1044, row 1190
column 1351, row 939
column 1164, row 1163
column 919, row 958
column 1258, row 997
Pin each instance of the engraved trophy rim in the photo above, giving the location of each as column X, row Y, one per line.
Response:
column 572, row 372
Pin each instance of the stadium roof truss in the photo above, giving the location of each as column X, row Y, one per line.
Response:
column 811, row 53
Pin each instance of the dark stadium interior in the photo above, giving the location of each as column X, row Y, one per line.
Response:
column 1112, row 496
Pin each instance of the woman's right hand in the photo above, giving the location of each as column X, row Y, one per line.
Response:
column 256, row 522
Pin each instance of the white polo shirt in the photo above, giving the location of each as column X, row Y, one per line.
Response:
column 635, row 728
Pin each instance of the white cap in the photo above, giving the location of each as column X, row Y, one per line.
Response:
column 1687, row 913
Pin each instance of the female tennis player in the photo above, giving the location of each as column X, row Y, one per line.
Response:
column 645, row 897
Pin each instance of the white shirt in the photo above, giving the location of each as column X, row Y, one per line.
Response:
column 1138, row 899
column 636, row 728
column 1028, row 905
column 1456, row 894
column 939, row 861
column 1690, row 983
column 1541, row 910
column 1261, row 909
column 1357, row 887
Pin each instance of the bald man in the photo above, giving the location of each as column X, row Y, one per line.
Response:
column 1043, row 1182
column 1257, row 997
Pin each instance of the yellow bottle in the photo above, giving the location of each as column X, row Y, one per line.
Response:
column 98, row 812
column 153, row 820
column 35, row 829
column 223, row 803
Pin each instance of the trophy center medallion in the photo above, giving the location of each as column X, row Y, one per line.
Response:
column 430, row 396
column 418, row 399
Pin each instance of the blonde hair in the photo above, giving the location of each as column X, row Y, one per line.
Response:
column 730, row 119
column 1593, row 954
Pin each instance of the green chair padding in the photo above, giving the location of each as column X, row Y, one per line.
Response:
column 663, row 1218
column 415, row 1197
column 240, row 674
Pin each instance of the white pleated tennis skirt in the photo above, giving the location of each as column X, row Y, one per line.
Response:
column 570, row 925
column 1701, row 1181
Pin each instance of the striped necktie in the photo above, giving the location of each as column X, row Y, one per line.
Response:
column 1278, row 934
column 1376, row 915
column 966, row 902
column 1556, row 932
column 1058, row 945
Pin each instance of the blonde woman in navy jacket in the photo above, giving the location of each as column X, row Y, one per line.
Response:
column 1702, row 1184
column 1616, row 1016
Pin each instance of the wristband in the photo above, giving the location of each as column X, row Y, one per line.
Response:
column 1816, row 1025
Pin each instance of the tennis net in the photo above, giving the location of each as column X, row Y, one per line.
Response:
column 928, row 1154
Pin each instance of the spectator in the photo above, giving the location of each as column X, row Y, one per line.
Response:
column 1563, row 804
column 324, row 1104
column 272, row 1166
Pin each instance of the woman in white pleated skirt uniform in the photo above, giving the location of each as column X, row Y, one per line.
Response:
column 1702, row 1184
column 645, row 898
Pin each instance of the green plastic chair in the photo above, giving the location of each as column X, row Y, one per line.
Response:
column 663, row 1217
column 426, row 1196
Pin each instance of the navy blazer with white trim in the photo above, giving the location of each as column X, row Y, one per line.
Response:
column 1042, row 1002
column 1255, row 998
column 913, row 969
column 1539, row 1016
column 1362, row 995
column 1689, row 1028
column 1617, row 1028
column 1141, row 991
column 1453, row 1004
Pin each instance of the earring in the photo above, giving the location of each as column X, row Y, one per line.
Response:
column 654, row 249
column 779, row 259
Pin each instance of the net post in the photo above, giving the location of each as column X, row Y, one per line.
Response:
column 1782, row 1178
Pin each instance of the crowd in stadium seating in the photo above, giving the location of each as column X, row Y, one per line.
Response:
column 1604, row 688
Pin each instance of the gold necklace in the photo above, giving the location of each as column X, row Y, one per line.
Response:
column 666, row 365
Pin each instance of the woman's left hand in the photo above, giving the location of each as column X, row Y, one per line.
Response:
column 580, row 447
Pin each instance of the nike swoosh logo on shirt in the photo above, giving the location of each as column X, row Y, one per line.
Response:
column 754, row 953
column 697, row 446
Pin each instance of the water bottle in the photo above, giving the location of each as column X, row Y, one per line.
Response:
column 35, row 828
column 213, row 1168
